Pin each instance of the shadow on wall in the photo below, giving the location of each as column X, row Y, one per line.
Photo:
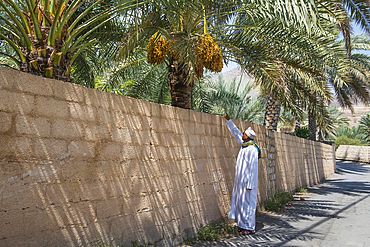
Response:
column 300, row 162
column 353, row 153
column 77, row 164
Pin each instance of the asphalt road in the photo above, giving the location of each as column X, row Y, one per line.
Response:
column 336, row 214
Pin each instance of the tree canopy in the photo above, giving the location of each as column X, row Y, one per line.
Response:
column 160, row 50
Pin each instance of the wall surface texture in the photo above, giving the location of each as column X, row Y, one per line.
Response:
column 353, row 153
column 77, row 164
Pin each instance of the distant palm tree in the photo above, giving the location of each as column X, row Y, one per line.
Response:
column 348, row 136
column 328, row 121
column 138, row 80
column 230, row 96
column 353, row 133
column 365, row 127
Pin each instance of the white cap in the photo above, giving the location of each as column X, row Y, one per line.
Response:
column 249, row 132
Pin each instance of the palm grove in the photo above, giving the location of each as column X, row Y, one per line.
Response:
column 301, row 54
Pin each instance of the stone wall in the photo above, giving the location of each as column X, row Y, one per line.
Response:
column 353, row 153
column 77, row 164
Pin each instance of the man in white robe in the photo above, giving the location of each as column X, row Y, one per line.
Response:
column 244, row 198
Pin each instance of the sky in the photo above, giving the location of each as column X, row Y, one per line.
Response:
column 230, row 66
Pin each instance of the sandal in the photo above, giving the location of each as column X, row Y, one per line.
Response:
column 247, row 232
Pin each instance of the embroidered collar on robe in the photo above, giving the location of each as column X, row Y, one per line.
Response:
column 249, row 143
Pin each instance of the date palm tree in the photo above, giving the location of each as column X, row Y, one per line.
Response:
column 329, row 120
column 203, row 34
column 47, row 36
column 186, row 43
column 282, row 51
column 286, row 54
column 349, row 78
column 322, row 63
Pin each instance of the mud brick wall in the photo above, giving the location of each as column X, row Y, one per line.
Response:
column 353, row 153
column 302, row 163
column 77, row 164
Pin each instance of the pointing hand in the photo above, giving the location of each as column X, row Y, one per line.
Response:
column 227, row 116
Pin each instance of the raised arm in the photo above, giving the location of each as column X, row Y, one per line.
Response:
column 234, row 130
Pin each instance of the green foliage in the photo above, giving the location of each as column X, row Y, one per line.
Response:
column 365, row 127
column 345, row 140
column 140, row 81
column 328, row 120
column 278, row 202
column 353, row 133
column 209, row 233
column 232, row 96
column 301, row 190
column 61, row 37
column 213, row 232
column 303, row 133
column 7, row 57
column 350, row 136
column 125, row 88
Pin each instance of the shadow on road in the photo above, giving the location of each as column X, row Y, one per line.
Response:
column 303, row 218
column 344, row 167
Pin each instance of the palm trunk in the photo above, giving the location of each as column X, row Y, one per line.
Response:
column 179, row 84
column 272, row 113
column 312, row 119
column 312, row 126
column 45, row 60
